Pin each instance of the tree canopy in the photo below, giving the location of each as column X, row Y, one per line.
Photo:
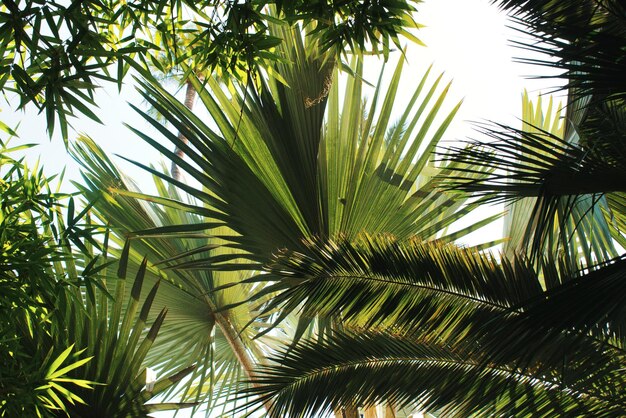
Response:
column 311, row 266
column 56, row 53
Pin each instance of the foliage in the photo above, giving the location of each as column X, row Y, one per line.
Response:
column 270, row 252
column 32, row 382
column 537, row 344
column 308, row 164
column 578, row 178
column 55, row 53
column 524, row 164
column 197, row 319
column 284, row 158
column 585, row 39
column 117, row 340
column 65, row 347
column 445, row 329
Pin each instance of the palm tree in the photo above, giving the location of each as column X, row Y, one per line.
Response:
column 581, row 231
column 269, row 183
column 169, row 61
column 432, row 346
column 283, row 159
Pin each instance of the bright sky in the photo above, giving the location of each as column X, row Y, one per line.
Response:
column 467, row 39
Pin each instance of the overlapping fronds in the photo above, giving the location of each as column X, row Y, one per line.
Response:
column 574, row 175
column 569, row 182
column 476, row 335
column 117, row 341
column 193, row 309
column 281, row 158
column 585, row 38
column 307, row 164
column 538, row 164
column 87, row 349
column 317, row 377
column 410, row 286
column 589, row 304
column 554, row 189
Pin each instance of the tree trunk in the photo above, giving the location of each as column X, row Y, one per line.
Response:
column 390, row 411
column 222, row 319
column 347, row 412
column 190, row 98
column 241, row 352
column 370, row 412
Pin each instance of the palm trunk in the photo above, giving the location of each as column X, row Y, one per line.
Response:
column 390, row 411
column 221, row 319
column 239, row 348
column 190, row 98
column 347, row 412
column 370, row 412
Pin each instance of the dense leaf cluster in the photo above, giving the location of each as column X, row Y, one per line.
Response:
column 29, row 286
column 56, row 53
column 578, row 173
column 318, row 231
column 66, row 347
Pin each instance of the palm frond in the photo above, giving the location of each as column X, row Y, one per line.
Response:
column 585, row 39
column 577, row 227
column 573, row 178
column 316, row 377
column 306, row 164
column 467, row 304
column 617, row 217
column 115, row 340
column 568, row 180
column 589, row 303
column 536, row 164
column 409, row 286
column 192, row 305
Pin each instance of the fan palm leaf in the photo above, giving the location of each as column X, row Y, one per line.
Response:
column 195, row 310
column 89, row 349
column 352, row 166
column 116, row 346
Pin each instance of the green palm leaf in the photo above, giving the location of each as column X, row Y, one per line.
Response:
column 580, row 229
column 526, row 348
column 116, row 346
column 577, row 186
column 568, row 180
column 300, row 174
column 317, row 377
column 192, row 306
column 281, row 159
column 583, row 38
column 381, row 282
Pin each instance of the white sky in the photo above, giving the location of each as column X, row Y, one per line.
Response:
column 465, row 38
